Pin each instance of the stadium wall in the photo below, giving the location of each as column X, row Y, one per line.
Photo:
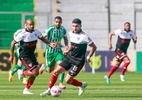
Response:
column 100, row 61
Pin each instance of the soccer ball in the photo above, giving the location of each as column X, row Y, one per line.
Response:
column 56, row 91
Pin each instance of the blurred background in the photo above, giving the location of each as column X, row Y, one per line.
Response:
column 98, row 17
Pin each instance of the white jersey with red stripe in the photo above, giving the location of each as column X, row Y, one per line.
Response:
column 27, row 41
column 79, row 42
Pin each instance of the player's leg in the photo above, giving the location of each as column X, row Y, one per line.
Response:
column 114, row 65
column 58, row 59
column 33, row 69
column 50, row 62
column 24, row 77
column 30, row 81
column 53, row 80
column 14, row 70
column 125, row 63
column 74, row 70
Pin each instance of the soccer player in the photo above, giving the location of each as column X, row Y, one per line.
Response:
column 55, row 33
column 124, row 38
column 74, row 59
column 28, row 39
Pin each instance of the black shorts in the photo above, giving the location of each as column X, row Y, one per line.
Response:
column 74, row 66
column 120, row 54
column 29, row 62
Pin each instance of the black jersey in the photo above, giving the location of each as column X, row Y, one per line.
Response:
column 124, row 39
column 27, row 42
column 79, row 42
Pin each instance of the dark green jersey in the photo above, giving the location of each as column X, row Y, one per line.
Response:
column 54, row 35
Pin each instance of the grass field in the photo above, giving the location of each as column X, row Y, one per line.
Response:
column 97, row 88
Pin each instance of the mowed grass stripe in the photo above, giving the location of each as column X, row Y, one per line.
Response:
column 97, row 88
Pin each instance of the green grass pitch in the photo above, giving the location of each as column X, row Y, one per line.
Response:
column 97, row 88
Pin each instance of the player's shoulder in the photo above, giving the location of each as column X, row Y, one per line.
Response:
column 20, row 31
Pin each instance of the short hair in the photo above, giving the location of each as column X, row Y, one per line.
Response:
column 127, row 23
column 58, row 17
column 77, row 20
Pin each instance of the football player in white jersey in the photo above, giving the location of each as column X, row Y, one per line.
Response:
column 27, row 40
column 123, row 41
column 74, row 59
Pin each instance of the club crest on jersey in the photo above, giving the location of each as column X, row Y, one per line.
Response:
column 30, row 65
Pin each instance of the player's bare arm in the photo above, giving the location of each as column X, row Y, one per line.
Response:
column 93, row 48
column 52, row 44
column 10, row 60
column 66, row 42
column 110, row 40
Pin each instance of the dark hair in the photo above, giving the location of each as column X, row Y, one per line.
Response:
column 77, row 20
column 127, row 23
column 58, row 17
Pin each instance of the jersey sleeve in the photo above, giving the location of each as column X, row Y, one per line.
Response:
column 88, row 40
column 46, row 32
column 18, row 37
column 39, row 34
column 117, row 32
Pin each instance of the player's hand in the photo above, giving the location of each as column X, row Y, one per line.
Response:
column 88, row 59
column 10, row 59
column 66, row 52
column 53, row 44
column 110, row 46
column 135, row 38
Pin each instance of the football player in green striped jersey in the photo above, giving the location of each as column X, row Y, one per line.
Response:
column 55, row 33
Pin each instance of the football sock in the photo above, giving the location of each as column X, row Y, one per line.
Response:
column 62, row 75
column 29, row 83
column 23, row 68
column 76, row 82
column 124, row 68
column 44, row 68
column 53, row 80
column 112, row 70
column 14, row 70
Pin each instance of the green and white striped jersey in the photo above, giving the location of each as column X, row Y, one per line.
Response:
column 54, row 35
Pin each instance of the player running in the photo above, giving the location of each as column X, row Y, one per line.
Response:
column 75, row 59
column 28, row 39
column 124, row 38
column 55, row 33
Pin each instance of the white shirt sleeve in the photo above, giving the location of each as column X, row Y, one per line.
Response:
column 117, row 32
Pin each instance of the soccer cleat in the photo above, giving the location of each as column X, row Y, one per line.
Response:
column 81, row 89
column 26, row 91
column 122, row 78
column 24, row 80
column 107, row 79
column 10, row 77
column 20, row 75
column 62, row 86
column 47, row 92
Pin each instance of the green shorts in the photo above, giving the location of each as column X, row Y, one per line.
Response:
column 52, row 58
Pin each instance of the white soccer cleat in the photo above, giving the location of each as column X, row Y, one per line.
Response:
column 122, row 78
column 47, row 92
column 20, row 75
column 81, row 89
column 26, row 91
